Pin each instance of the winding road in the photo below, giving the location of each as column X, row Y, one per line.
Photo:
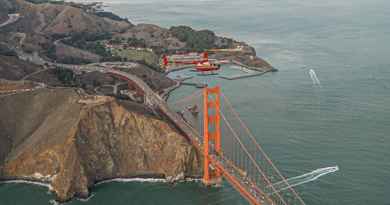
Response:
column 12, row 18
column 154, row 100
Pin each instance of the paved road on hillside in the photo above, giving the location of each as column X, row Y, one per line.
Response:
column 12, row 18
column 154, row 100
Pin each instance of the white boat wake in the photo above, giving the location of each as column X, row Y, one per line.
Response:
column 314, row 77
column 302, row 179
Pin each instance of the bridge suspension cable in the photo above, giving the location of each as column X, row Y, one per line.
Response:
column 264, row 177
column 260, row 149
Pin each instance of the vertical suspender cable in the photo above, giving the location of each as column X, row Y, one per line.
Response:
column 262, row 151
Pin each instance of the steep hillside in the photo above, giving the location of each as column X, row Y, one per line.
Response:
column 8, row 6
column 40, row 25
column 62, row 20
column 72, row 55
column 11, row 68
column 153, row 36
column 72, row 141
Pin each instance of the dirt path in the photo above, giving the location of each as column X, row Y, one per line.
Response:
column 34, row 73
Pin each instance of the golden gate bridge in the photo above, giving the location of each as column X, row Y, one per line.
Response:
column 231, row 151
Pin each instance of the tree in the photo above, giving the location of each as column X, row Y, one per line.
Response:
column 66, row 76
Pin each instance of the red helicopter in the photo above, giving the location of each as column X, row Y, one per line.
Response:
column 201, row 65
column 207, row 67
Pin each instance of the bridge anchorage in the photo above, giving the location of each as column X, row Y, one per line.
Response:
column 231, row 151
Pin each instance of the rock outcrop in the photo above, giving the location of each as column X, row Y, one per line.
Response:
column 72, row 141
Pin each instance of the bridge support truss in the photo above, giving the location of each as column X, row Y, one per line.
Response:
column 211, row 134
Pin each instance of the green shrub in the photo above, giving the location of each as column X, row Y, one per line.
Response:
column 134, row 42
column 195, row 40
column 90, row 42
column 66, row 76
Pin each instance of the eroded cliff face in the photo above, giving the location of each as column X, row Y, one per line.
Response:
column 73, row 141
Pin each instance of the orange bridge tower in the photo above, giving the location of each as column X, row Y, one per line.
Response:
column 211, row 134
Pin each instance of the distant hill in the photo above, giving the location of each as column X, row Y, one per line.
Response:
column 41, row 24
column 50, row 19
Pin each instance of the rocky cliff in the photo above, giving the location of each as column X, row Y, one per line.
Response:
column 71, row 141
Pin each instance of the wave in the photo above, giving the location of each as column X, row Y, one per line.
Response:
column 87, row 199
column 125, row 180
column 27, row 182
column 54, row 202
column 147, row 180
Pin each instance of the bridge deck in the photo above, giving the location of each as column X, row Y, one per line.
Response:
column 242, row 184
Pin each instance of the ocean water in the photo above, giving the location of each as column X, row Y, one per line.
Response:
column 302, row 126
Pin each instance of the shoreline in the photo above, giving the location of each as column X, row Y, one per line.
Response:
column 147, row 178
column 167, row 92
column 26, row 181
